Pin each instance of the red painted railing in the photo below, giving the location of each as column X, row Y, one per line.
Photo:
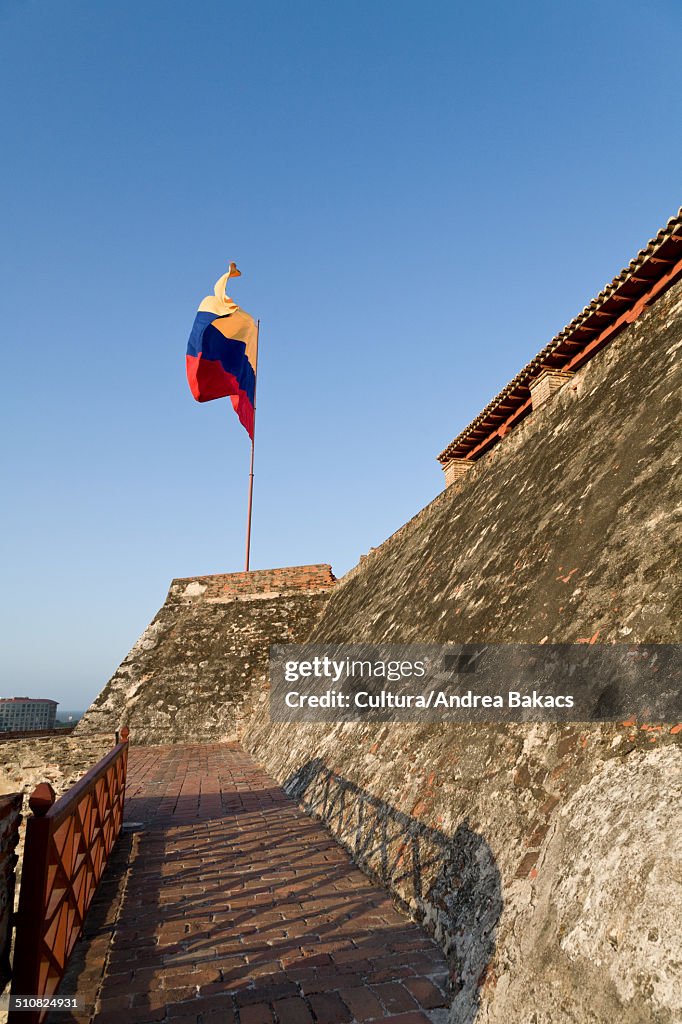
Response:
column 67, row 847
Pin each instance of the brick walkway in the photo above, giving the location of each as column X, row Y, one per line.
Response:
column 224, row 903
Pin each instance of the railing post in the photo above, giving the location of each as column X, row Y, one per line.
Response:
column 29, row 918
column 125, row 733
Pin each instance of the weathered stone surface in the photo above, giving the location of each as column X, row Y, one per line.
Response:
column 547, row 836
column 196, row 669
column 59, row 760
column 599, row 939
column 461, row 824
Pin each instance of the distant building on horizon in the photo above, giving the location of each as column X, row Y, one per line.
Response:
column 21, row 714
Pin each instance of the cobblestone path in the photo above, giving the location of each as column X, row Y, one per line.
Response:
column 225, row 904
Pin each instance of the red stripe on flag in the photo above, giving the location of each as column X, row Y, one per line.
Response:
column 208, row 380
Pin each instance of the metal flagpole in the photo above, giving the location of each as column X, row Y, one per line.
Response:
column 253, row 446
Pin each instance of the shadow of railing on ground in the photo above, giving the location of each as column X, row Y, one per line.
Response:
column 449, row 884
column 231, row 898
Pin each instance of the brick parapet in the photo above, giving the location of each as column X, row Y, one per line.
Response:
column 260, row 583
column 546, row 385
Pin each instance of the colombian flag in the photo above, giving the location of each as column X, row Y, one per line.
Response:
column 222, row 352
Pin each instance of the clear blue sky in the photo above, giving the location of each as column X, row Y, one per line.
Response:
column 419, row 197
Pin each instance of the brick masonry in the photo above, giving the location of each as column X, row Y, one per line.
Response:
column 456, row 471
column 292, row 579
column 546, row 384
column 225, row 904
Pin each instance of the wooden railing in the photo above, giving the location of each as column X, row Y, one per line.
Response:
column 67, row 847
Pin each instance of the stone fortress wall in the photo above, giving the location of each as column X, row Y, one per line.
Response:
column 541, row 856
column 202, row 661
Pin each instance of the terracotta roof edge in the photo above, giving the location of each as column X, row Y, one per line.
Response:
column 521, row 379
